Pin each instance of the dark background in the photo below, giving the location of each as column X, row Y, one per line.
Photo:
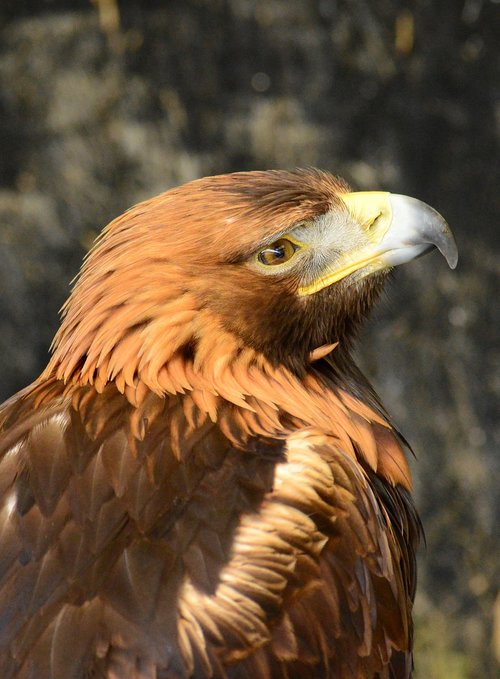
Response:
column 103, row 104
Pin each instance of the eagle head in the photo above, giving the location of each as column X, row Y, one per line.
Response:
column 282, row 262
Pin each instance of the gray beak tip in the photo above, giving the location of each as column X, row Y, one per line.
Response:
column 447, row 245
column 423, row 228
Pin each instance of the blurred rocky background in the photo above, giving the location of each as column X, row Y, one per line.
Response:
column 103, row 104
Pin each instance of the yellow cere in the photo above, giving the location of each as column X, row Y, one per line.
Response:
column 372, row 211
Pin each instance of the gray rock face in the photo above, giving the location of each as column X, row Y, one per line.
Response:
column 103, row 105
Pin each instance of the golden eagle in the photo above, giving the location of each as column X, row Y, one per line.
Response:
column 202, row 483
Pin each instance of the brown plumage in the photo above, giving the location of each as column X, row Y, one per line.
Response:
column 201, row 483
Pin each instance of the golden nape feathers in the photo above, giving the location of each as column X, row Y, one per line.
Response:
column 201, row 483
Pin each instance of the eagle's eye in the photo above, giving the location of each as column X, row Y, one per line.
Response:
column 278, row 252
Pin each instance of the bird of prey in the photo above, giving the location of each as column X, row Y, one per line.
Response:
column 202, row 483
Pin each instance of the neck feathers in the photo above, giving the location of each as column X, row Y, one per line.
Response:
column 184, row 353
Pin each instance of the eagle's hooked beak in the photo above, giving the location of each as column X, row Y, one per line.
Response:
column 397, row 229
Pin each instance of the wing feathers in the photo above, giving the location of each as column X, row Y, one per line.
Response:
column 123, row 526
